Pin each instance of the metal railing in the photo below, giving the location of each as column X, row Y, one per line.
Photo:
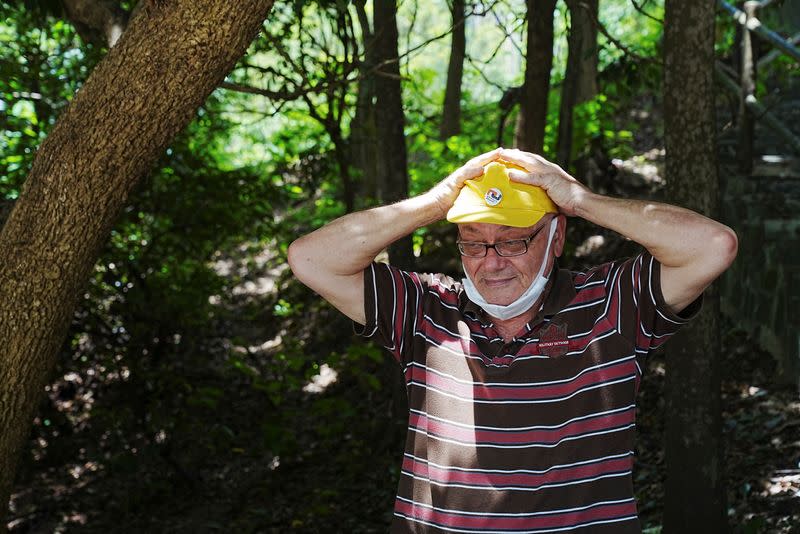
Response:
column 750, row 109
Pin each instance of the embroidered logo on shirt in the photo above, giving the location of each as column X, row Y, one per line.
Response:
column 553, row 340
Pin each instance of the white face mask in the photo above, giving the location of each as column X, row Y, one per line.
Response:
column 524, row 301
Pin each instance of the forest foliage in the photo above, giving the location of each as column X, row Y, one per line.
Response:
column 192, row 341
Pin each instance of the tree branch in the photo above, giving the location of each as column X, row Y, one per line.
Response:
column 483, row 75
column 97, row 21
column 627, row 51
column 284, row 95
column 640, row 9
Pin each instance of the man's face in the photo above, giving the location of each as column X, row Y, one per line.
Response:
column 501, row 280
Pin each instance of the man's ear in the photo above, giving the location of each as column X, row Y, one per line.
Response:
column 561, row 234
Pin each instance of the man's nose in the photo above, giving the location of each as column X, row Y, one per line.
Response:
column 493, row 260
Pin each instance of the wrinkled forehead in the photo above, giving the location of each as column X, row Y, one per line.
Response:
column 479, row 231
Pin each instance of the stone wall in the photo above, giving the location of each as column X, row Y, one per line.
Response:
column 762, row 289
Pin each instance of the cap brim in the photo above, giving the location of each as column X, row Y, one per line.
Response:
column 506, row 217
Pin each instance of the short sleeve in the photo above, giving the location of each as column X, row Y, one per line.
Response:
column 392, row 304
column 642, row 316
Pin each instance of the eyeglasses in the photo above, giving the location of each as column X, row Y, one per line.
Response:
column 514, row 247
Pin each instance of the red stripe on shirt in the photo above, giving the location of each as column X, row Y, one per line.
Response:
column 523, row 392
column 540, row 436
column 567, row 519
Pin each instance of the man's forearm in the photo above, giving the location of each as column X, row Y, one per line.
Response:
column 675, row 236
column 347, row 245
column 331, row 260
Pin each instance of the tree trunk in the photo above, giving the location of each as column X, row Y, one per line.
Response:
column 580, row 78
column 363, row 129
column 146, row 89
column 532, row 116
column 390, row 121
column 694, row 495
column 342, row 153
column 451, row 113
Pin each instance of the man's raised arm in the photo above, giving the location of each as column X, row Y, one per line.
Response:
column 693, row 250
column 332, row 259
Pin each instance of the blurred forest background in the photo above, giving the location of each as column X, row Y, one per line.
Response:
column 200, row 388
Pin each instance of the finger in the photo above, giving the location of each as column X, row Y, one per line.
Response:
column 521, row 154
column 525, row 177
column 528, row 166
column 518, row 154
column 485, row 158
column 467, row 172
column 544, row 161
column 530, row 162
column 471, row 172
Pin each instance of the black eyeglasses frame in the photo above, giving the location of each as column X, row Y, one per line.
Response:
column 487, row 246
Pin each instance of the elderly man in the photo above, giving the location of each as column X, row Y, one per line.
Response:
column 522, row 377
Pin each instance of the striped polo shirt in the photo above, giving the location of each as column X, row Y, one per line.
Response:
column 531, row 436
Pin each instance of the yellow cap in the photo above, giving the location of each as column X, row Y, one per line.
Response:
column 494, row 198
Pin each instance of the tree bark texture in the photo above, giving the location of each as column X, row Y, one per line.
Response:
column 363, row 130
column 390, row 122
column 529, row 134
column 580, row 78
column 451, row 112
column 146, row 89
column 694, row 496
column 342, row 153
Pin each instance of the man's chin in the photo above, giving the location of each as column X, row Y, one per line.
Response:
column 500, row 300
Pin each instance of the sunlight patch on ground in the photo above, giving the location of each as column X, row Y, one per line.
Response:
column 320, row 382
column 263, row 285
column 647, row 166
column 264, row 348
column 258, row 278
column 753, row 391
column 776, row 166
column 77, row 470
column 268, row 345
column 74, row 518
column 784, row 483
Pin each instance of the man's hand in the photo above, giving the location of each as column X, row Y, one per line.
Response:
column 692, row 249
column 564, row 190
column 331, row 260
column 445, row 192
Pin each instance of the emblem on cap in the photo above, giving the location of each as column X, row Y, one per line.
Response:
column 493, row 196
